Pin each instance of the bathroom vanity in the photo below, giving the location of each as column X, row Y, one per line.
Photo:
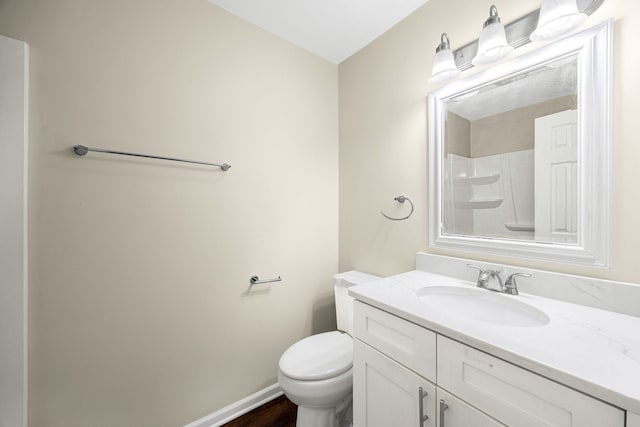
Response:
column 432, row 349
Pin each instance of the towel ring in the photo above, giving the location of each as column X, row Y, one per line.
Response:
column 400, row 199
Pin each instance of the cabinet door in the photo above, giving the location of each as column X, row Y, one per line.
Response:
column 387, row 394
column 453, row 412
column 515, row 396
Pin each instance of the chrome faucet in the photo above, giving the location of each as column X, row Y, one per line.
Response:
column 485, row 275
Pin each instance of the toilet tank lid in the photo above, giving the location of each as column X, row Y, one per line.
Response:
column 356, row 277
column 318, row 357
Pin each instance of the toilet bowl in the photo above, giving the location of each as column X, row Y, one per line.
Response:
column 316, row 372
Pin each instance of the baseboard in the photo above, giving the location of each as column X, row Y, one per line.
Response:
column 238, row 408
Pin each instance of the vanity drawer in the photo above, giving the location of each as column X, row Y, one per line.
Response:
column 403, row 341
column 515, row 396
column 633, row 420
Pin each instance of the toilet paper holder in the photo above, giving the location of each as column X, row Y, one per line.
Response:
column 255, row 280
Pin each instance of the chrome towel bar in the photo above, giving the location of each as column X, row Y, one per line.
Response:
column 255, row 280
column 82, row 150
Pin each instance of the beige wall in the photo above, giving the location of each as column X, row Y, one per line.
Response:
column 383, row 136
column 139, row 311
column 513, row 130
column 506, row 132
column 457, row 135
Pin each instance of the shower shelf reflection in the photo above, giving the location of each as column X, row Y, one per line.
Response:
column 520, row 227
column 478, row 204
column 477, row 180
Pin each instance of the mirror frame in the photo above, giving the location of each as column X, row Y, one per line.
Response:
column 593, row 48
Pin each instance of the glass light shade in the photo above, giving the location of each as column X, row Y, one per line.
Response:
column 444, row 67
column 557, row 17
column 492, row 45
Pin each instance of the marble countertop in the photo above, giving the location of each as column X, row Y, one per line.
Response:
column 594, row 351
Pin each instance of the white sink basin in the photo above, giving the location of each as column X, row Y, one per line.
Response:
column 482, row 305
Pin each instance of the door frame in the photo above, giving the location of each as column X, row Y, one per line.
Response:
column 14, row 95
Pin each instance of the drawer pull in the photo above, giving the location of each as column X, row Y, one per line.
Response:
column 421, row 395
column 443, row 407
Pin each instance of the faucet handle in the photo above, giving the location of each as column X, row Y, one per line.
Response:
column 510, row 286
column 480, row 269
column 483, row 276
column 484, row 270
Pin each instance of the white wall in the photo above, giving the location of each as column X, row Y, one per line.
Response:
column 512, row 190
column 140, row 310
column 13, row 232
column 383, row 136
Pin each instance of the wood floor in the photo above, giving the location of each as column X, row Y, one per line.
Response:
column 280, row 412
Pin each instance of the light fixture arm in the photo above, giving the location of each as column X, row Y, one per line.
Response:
column 493, row 16
column 517, row 32
column 444, row 42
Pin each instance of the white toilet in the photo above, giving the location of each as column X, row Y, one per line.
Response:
column 316, row 372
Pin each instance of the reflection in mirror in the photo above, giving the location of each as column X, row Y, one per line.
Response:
column 520, row 155
column 511, row 157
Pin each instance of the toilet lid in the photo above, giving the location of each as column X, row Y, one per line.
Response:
column 318, row 357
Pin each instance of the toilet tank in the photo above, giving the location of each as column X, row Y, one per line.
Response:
column 344, row 303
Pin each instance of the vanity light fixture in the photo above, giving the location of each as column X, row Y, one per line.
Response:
column 492, row 44
column 557, row 17
column 520, row 31
column 444, row 65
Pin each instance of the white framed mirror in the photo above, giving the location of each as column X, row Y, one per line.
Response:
column 520, row 155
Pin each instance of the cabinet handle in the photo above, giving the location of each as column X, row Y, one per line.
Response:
column 421, row 395
column 443, row 407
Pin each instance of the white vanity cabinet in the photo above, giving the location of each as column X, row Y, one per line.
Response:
column 390, row 394
column 394, row 359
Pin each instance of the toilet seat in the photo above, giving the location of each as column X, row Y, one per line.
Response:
column 318, row 357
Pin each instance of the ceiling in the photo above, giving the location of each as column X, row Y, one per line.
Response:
column 560, row 78
column 332, row 29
